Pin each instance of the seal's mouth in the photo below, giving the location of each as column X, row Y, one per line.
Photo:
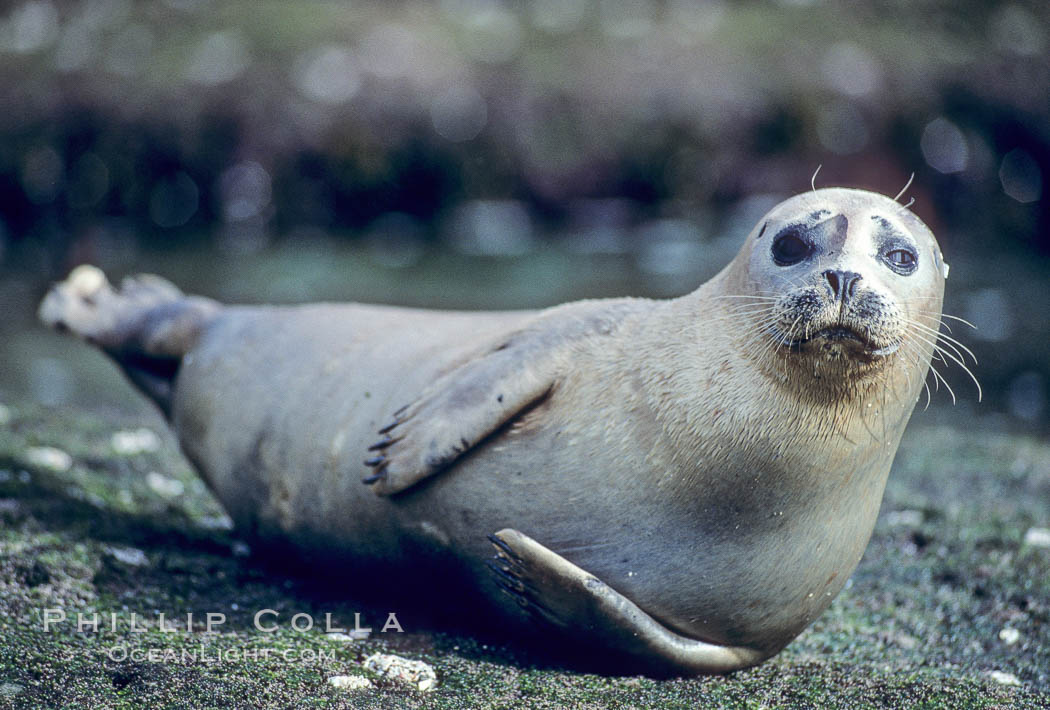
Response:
column 842, row 335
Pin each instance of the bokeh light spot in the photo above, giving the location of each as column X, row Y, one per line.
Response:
column 852, row 70
column 246, row 190
column 1020, row 176
column 459, row 113
column 220, row 57
column 129, row 51
column 173, row 201
column 328, row 75
column 31, row 27
column 944, row 146
column 76, row 47
column 492, row 228
column 491, row 34
column 990, row 311
column 1026, row 396
column 1014, row 29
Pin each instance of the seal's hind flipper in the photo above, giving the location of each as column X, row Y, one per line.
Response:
column 146, row 326
column 461, row 408
column 556, row 590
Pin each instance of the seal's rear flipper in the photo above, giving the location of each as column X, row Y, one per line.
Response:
column 556, row 590
column 146, row 326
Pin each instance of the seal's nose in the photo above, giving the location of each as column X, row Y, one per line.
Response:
column 842, row 283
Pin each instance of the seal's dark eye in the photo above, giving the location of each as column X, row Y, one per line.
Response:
column 903, row 261
column 790, row 248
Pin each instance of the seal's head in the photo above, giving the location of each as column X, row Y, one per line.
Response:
column 842, row 284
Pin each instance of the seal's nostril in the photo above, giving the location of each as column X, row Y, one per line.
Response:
column 852, row 286
column 833, row 280
column 842, row 283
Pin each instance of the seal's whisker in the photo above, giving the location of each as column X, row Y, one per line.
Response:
column 948, row 340
column 940, row 323
column 738, row 306
column 943, row 352
column 960, row 320
column 904, row 189
column 753, row 297
column 789, row 337
column 943, row 336
column 910, row 349
column 813, row 180
column 744, row 308
column 929, row 398
column 943, row 315
column 937, row 376
column 944, row 341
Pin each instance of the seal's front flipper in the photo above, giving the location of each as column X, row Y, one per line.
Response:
column 551, row 587
column 146, row 326
column 464, row 406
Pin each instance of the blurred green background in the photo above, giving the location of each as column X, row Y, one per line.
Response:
column 483, row 154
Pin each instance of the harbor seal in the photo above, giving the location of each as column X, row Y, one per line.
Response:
column 680, row 485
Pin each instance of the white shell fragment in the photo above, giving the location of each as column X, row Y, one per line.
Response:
column 350, row 682
column 131, row 556
column 1004, row 678
column 135, row 441
column 1037, row 537
column 417, row 674
column 49, row 457
column 164, row 486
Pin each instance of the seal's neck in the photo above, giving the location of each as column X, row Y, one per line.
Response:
column 728, row 384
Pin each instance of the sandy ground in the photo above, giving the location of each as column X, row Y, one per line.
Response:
column 949, row 608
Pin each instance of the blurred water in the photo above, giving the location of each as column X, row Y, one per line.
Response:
column 477, row 265
column 480, row 154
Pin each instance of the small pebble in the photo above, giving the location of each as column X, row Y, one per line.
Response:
column 1037, row 537
column 353, row 635
column 1009, row 636
column 907, row 518
column 128, row 555
column 416, row 674
column 49, row 457
column 350, row 682
column 1004, row 678
column 164, row 486
column 216, row 522
column 135, row 441
column 240, row 549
